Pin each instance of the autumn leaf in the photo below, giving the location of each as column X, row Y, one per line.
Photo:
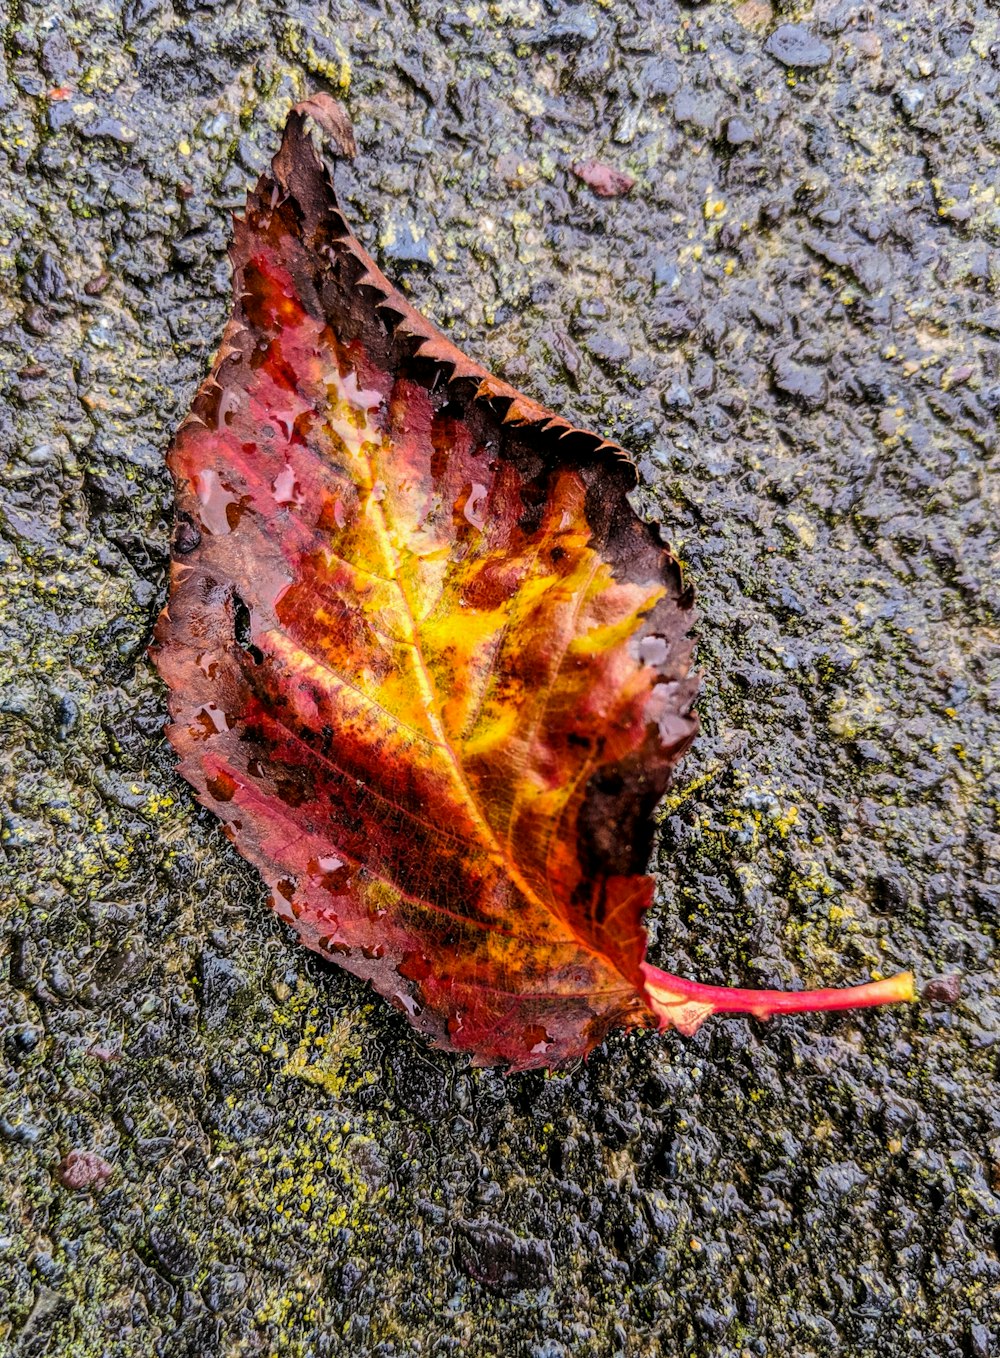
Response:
column 425, row 662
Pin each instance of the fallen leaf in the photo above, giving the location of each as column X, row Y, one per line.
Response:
column 605, row 180
column 425, row 662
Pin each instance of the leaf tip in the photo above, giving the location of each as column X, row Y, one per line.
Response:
column 332, row 117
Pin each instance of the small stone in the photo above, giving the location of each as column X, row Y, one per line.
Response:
column 610, row 348
column 25, row 1039
column 18, row 1130
column 109, row 129
column 943, row 989
column 677, row 398
column 955, row 39
column 665, row 274
column 226, row 1284
column 660, row 77
column 136, row 12
column 959, row 212
column 772, row 212
column 501, row 1261
column 605, row 180
column 100, row 335
column 60, row 981
column 42, row 455
column 803, row 384
column 569, row 35
column 36, row 322
column 223, row 987
column 59, row 114
column 46, row 282
column 868, row 45
column 703, row 378
column 730, row 234
column 103, row 1052
column 794, row 45
column 673, row 319
column 889, row 424
column 404, row 243
column 694, row 109
column 909, row 101
column 738, row 132
column 957, row 377
column 626, row 125
column 84, row 1169
column 767, row 317
column 173, row 1253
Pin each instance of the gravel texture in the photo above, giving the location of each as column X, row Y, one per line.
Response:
column 212, row 1144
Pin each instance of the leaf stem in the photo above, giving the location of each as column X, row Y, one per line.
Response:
column 685, row 1004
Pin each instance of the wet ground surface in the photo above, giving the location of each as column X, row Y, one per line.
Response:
column 211, row 1143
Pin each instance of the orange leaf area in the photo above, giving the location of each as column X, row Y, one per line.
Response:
column 425, row 662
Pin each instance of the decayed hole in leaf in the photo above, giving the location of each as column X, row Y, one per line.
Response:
column 242, row 630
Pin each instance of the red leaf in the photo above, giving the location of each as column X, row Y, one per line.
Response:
column 425, row 662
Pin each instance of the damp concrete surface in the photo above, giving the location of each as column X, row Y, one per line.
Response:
column 213, row 1144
